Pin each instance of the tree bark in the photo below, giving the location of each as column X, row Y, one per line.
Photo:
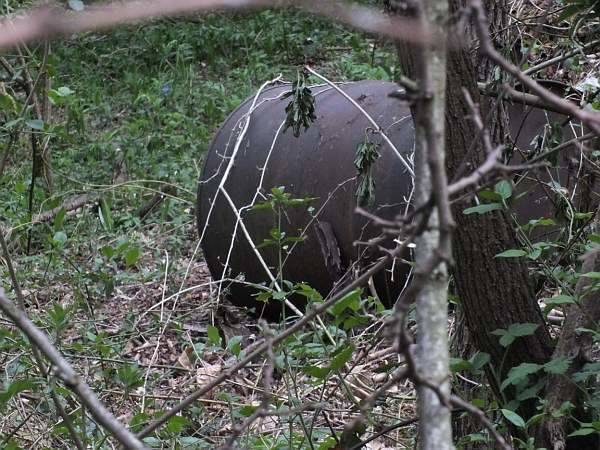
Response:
column 435, row 426
column 576, row 346
column 495, row 292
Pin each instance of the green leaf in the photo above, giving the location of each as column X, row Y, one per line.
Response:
column 152, row 442
column 58, row 316
column 459, row 364
column 520, row 373
column 105, row 216
column 7, row 103
column 328, row 444
column 310, row 293
column 564, row 410
column 317, row 372
column 480, row 360
column 177, row 424
column 482, row 209
column 513, row 418
column 59, row 219
column 59, row 238
column 583, row 215
column 534, row 420
column 589, row 370
column 504, row 189
column 342, row 358
column 132, row 255
column 11, row 123
column 76, row 5
column 279, row 295
column 234, row 345
column 35, row 124
column 214, row 337
column 535, row 253
column 514, row 331
column 522, row 329
column 594, row 238
column 15, row 388
column 543, row 222
column 558, row 366
column 107, row 251
column 351, row 300
column 506, row 340
column 594, row 275
column 64, row 91
column 490, row 196
column 512, row 253
column 248, row 410
column 138, row 421
column 583, row 432
column 264, row 296
column 130, row 376
column 530, row 392
column 559, row 300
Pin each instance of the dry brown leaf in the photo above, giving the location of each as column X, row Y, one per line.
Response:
column 207, row 373
column 185, row 359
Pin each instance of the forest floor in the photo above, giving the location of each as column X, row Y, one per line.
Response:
column 129, row 299
column 133, row 112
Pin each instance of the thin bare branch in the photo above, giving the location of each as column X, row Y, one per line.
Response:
column 591, row 119
column 67, row 374
column 47, row 22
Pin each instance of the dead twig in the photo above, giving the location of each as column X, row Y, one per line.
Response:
column 67, row 374
column 46, row 22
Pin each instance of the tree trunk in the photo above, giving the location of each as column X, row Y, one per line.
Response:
column 576, row 346
column 495, row 292
column 435, row 429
